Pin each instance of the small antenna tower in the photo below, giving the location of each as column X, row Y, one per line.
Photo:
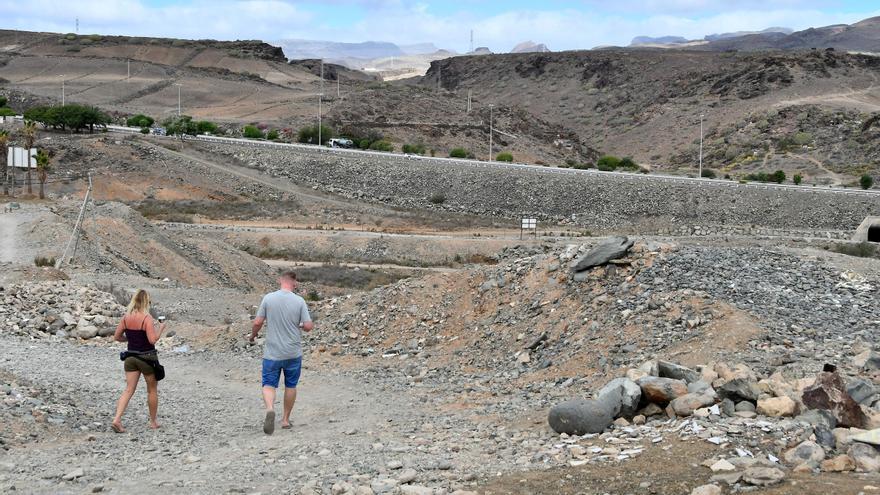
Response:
column 77, row 25
column 472, row 41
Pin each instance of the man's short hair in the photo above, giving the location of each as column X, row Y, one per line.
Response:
column 289, row 275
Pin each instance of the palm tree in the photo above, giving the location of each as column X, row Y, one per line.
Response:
column 29, row 133
column 43, row 169
column 4, row 142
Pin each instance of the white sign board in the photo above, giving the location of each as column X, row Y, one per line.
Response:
column 18, row 158
column 529, row 223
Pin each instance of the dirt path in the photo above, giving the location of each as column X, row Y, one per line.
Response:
column 865, row 100
column 211, row 440
column 8, row 225
column 385, row 266
column 835, row 177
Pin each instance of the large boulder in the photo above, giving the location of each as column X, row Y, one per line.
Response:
column 829, row 393
column 678, row 372
column 740, row 389
column 862, row 391
column 866, row 457
column 763, row 476
column 777, row 407
column 622, row 395
column 688, row 403
column 805, row 453
column 662, row 390
column 868, row 360
column 611, row 249
column 580, row 416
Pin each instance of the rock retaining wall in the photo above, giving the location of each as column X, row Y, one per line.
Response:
column 601, row 202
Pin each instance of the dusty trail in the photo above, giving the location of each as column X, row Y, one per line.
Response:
column 211, row 413
column 7, row 238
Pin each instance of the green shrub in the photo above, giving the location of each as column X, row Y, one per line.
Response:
column 458, row 153
column 802, row 138
column 272, row 135
column 382, row 145
column 251, row 132
column 313, row 295
column 6, row 112
column 414, row 149
column 866, row 182
column 3, row 101
column 608, row 163
column 778, row 177
column 70, row 37
column 708, row 173
column 206, row 127
column 437, row 198
column 797, row 179
column 628, row 163
column 139, row 120
column 504, row 157
column 583, row 166
column 180, row 126
column 44, row 261
column 309, row 134
column 145, row 130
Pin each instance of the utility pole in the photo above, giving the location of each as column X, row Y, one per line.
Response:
column 472, row 41
column 701, row 145
column 320, row 97
column 178, row 98
column 491, row 107
column 337, row 85
column 62, row 90
column 76, row 225
column 128, row 67
column 322, row 76
column 469, row 99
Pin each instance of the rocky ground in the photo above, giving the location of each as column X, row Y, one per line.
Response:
column 408, row 392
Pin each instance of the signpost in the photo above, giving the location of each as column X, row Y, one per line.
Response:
column 18, row 157
column 528, row 224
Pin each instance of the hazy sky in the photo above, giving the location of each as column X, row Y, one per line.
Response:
column 496, row 24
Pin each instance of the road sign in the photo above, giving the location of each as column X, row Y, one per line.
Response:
column 528, row 224
column 17, row 157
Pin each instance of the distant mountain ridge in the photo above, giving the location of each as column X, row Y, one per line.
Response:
column 530, row 47
column 863, row 36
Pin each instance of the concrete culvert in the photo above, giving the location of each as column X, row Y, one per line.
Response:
column 869, row 230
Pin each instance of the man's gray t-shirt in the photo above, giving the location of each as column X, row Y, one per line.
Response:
column 284, row 312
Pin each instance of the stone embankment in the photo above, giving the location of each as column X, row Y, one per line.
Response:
column 599, row 201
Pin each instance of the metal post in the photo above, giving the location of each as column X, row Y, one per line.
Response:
column 701, row 146
column 62, row 90
column 337, row 85
column 320, row 97
column 178, row 100
column 491, row 107
column 76, row 225
column 128, row 67
column 322, row 76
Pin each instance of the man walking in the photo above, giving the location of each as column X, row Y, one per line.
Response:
column 287, row 316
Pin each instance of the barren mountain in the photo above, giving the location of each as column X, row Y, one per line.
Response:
column 647, row 104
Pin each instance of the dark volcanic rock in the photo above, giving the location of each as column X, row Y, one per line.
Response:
column 739, row 390
column 612, row 249
column 580, row 416
column 829, row 393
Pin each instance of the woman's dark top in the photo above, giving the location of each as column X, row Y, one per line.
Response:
column 137, row 338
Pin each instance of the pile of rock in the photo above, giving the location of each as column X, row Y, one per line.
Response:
column 835, row 414
column 57, row 308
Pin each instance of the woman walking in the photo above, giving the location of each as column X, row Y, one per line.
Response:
column 138, row 330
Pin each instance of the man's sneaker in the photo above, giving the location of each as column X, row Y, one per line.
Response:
column 269, row 423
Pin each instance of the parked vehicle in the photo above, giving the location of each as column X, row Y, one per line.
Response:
column 341, row 143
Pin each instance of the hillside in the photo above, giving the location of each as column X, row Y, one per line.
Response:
column 647, row 103
column 224, row 81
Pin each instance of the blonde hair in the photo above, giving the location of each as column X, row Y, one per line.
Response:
column 140, row 303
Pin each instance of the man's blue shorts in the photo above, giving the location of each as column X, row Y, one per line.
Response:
column 272, row 372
